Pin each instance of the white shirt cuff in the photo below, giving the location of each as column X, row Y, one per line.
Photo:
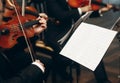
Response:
column 80, row 11
column 100, row 13
column 40, row 66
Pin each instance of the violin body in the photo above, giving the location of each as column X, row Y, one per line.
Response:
column 9, row 39
column 82, row 3
column 11, row 13
column 17, row 26
column 95, row 4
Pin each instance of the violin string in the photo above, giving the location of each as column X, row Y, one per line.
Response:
column 23, row 7
column 23, row 32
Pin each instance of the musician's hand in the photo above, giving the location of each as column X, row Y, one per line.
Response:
column 105, row 9
column 39, row 64
column 43, row 15
column 86, row 8
column 43, row 23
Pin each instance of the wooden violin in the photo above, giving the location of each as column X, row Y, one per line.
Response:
column 95, row 4
column 10, row 13
column 21, row 24
column 11, row 31
column 81, row 3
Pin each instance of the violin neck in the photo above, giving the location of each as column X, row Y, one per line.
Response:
column 115, row 8
column 30, row 24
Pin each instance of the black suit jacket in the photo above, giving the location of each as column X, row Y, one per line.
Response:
column 60, row 10
column 10, row 74
column 16, row 67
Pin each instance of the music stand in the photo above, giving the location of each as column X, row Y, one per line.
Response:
column 116, row 27
column 66, row 37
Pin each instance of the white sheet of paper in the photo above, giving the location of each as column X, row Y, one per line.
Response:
column 88, row 45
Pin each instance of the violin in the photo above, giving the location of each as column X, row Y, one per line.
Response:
column 16, row 27
column 11, row 31
column 10, row 13
column 30, row 12
column 81, row 3
column 95, row 4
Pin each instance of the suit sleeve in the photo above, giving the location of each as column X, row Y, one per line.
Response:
column 95, row 14
column 32, row 74
column 61, row 10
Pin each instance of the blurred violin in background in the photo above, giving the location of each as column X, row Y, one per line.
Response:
column 95, row 4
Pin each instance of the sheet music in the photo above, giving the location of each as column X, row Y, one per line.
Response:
column 88, row 45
